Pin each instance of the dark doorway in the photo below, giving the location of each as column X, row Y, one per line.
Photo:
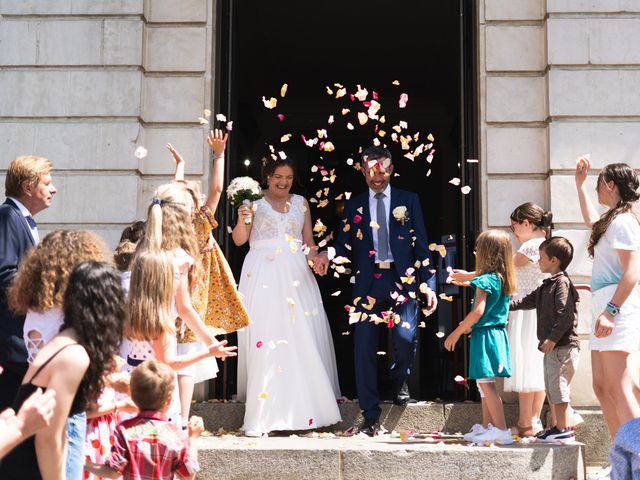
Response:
column 427, row 47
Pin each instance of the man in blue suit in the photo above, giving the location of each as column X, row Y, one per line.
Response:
column 384, row 236
column 29, row 190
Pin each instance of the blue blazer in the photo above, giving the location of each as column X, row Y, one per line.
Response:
column 15, row 240
column 408, row 241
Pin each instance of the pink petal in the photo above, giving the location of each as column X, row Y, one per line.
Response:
column 281, row 117
column 377, row 275
column 259, row 344
column 374, row 95
column 357, row 218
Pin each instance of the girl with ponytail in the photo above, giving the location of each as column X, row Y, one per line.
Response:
column 614, row 245
column 168, row 258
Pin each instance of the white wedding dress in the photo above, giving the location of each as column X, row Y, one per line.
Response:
column 287, row 373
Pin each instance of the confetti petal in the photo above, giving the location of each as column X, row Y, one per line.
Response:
column 466, row 189
column 203, row 121
column 439, row 334
column 140, row 152
column 459, row 379
column 402, row 102
column 220, row 117
column 283, row 90
column 455, row 181
column 263, row 396
column 259, row 344
column 270, row 103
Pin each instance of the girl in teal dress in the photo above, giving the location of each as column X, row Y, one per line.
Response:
column 487, row 322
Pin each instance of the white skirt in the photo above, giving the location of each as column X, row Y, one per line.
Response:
column 527, row 362
column 286, row 363
column 626, row 331
column 201, row 371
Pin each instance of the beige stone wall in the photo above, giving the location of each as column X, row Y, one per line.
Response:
column 84, row 83
column 557, row 79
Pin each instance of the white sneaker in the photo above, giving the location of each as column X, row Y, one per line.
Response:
column 494, row 435
column 477, row 429
column 575, row 418
column 603, row 474
column 537, row 426
column 253, row 434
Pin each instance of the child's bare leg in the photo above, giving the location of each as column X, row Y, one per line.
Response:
column 562, row 414
column 494, row 404
column 538, row 402
column 525, row 409
column 486, row 415
column 186, row 386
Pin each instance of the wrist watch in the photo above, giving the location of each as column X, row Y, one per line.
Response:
column 613, row 309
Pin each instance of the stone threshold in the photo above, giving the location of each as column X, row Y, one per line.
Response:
column 423, row 417
column 382, row 458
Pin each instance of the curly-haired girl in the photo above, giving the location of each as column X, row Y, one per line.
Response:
column 614, row 245
column 42, row 281
column 74, row 364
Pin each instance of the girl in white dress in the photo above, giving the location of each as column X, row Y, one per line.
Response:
column 287, row 372
column 615, row 294
column 530, row 225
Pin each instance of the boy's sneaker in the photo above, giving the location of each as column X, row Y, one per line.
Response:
column 575, row 418
column 555, row 434
column 494, row 435
column 476, row 430
column 537, row 426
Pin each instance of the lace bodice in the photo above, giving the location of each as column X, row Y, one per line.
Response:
column 269, row 224
column 529, row 277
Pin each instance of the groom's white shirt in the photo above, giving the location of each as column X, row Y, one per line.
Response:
column 373, row 212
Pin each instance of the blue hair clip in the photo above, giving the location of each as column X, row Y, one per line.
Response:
column 156, row 201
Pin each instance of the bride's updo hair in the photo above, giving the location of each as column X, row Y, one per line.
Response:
column 270, row 166
column 535, row 215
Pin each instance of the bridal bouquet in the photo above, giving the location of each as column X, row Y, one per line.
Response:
column 243, row 191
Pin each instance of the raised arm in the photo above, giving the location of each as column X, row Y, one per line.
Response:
column 589, row 212
column 217, row 141
column 179, row 173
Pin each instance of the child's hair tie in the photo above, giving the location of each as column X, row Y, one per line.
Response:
column 156, row 201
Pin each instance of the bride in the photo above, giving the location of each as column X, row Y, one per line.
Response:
column 286, row 363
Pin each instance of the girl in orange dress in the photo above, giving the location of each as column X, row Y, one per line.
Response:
column 215, row 296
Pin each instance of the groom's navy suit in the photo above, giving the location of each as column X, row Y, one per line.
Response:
column 408, row 244
column 15, row 240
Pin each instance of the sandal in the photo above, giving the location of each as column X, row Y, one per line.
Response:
column 522, row 431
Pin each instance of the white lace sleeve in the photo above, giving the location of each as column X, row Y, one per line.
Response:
column 531, row 249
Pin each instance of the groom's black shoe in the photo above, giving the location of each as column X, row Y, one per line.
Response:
column 402, row 397
column 369, row 427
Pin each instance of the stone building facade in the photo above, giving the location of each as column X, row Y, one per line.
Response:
column 85, row 82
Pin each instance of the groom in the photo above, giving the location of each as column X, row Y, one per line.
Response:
column 383, row 234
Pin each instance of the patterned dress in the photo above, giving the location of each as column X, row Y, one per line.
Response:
column 215, row 296
column 100, row 430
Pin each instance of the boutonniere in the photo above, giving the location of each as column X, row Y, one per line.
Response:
column 400, row 214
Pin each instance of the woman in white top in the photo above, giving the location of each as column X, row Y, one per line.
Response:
column 615, row 302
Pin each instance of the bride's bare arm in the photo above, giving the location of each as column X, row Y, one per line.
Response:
column 307, row 232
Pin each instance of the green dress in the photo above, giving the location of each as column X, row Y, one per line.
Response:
column 489, row 346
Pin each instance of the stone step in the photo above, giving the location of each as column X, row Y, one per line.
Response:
column 422, row 417
column 382, row 458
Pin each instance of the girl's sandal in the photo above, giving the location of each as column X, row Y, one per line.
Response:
column 522, row 431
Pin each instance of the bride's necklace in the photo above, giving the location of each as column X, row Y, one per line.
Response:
column 281, row 206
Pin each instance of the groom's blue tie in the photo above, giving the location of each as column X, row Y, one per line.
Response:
column 383, row 233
